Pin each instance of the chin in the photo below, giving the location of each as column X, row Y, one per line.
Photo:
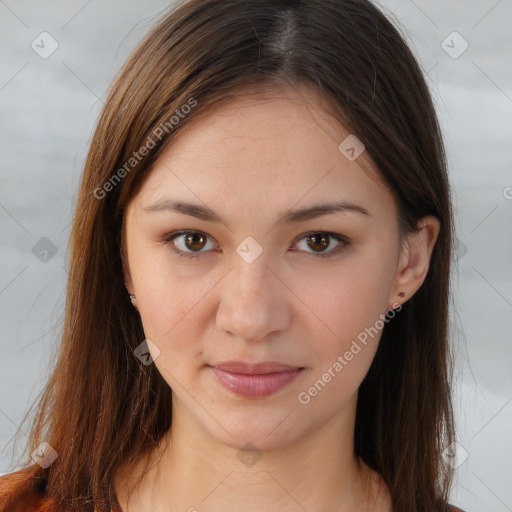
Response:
column 256, row 441
column 261, row 432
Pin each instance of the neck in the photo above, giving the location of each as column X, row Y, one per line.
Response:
column 194, row 472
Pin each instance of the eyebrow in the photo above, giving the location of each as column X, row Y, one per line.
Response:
column 286, row 217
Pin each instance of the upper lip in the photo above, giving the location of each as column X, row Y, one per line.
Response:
column 254, row 368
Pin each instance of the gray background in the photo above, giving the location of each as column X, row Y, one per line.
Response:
column 48, row 108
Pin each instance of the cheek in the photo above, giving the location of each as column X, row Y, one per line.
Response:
column 167, row 308
column 171, row 305
column 346, row 301
column 168, row 312
column 344, row 342
column 160, row 300
column 351, row 305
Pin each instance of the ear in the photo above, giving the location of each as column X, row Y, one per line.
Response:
column 127, row 277
column 414, row 260
column 126, row 269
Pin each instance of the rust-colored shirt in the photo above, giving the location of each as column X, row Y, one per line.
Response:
column 19, row 492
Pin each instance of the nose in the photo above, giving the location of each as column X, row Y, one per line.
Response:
column 254, row 301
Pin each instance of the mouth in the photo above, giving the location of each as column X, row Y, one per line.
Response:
column 255, row 379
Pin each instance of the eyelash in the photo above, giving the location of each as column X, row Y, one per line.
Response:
column 343, row 243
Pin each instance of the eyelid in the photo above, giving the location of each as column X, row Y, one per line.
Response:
column 342, row 240
column 168, row 239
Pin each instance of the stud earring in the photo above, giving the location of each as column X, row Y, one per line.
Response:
column 401, row 295
column 132, row 298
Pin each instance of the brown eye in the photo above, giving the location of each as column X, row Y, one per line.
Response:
column 191, row 243
column 318, row 241
column 187, row 243
column 195, row 241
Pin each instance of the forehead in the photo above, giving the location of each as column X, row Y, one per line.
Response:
column 265, row 150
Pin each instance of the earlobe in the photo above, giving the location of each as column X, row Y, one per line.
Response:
column 127, row 278
column 126, row 268
column 128, row 283
column 415, row 259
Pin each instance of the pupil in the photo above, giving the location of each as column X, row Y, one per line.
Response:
column 315, row 238
column 191, row 237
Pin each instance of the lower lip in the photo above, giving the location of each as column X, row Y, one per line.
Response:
column 255, row 385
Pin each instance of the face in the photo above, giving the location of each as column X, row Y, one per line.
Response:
column 243, row 276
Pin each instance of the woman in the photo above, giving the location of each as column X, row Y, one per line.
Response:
column 260, row 260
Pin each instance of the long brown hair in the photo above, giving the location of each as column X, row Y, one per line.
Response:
column 103, row 407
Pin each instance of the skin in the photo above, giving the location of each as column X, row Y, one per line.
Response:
column 248, row 161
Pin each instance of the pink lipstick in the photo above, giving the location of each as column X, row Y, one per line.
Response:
column 255, row 379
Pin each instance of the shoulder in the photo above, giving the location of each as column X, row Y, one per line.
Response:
column 24, row 491
column 453, row 508
column 21, row 491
